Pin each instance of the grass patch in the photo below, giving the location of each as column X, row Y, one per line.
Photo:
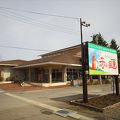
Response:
column 96, row 72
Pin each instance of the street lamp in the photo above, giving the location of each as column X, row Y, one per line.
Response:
column 85, row 94
column 83, row 23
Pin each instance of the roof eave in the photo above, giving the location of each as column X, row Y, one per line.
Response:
column 8, row 65
column 48, row 63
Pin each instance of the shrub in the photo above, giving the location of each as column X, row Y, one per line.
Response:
column 9, row 79
column 18, row 81
column 1, row 79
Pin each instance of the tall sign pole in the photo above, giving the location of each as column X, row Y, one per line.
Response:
column 85, row 94
column 117, row 85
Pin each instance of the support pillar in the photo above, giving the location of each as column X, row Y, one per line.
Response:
column 50, row 75
column 64, row 74
column 29, row 74
column 100, row 79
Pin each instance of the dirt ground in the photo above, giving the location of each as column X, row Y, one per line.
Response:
column 13, row 87
column 102, row 101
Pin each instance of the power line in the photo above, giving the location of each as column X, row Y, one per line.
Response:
column 33, row 12
column 26, row 17
column 23, row 20
column 29, row 20
column 4, row 46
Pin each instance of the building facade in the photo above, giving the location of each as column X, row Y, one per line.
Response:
column 54, row 68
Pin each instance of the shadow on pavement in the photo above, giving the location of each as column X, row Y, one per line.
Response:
column 72, row 97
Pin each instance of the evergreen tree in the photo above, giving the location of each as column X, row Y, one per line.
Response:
column 113, row 44
column 98, row 39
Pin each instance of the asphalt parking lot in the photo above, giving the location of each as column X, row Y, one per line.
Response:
column 23, row 107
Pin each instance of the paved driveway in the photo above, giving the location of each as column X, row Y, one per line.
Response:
column 64, row 95
column 14, row 109
column 17, row 109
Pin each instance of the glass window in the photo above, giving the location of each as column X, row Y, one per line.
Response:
column 56, row 75
column 73, row 74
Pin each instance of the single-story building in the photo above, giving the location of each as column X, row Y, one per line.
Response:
column 53, row 68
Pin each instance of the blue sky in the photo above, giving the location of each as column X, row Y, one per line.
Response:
column 51, row 33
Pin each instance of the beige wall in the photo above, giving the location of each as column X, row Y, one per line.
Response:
column 5, row 72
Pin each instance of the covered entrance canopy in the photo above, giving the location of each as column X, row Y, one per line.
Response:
column 51, row 73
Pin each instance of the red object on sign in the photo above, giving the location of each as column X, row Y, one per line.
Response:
column 112, row 64
column 102, row 63
column 93, row 61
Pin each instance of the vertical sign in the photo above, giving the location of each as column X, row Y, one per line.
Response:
column 102, row 60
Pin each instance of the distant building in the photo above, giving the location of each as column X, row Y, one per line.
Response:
column 7, row 69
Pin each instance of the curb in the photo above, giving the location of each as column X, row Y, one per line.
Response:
column 87, row 106
column 95, row 108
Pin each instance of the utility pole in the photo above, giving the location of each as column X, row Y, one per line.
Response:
column 85, row 93
column 81, row 31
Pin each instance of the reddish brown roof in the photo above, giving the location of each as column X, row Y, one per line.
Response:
column 61, row 50
column 12, row 62
column 69, row 57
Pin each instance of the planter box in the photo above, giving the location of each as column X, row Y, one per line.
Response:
column 48, row 84
column 86, row 106
column 95, row 108
column 5, row 82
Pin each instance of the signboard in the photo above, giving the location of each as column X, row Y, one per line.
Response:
column 102, row 60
